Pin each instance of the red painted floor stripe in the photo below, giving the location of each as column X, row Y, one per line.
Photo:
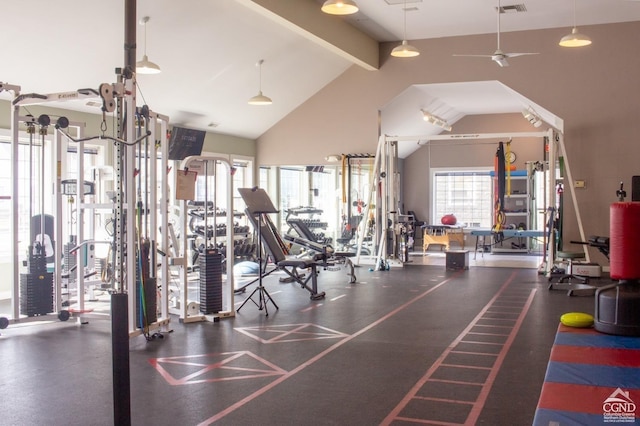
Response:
column 321, row 355
column 486, row 386
column 596, row 355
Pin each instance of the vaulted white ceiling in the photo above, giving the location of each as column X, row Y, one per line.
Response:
column 208, row 50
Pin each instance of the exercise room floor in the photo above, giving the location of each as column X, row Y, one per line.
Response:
column 418, row 342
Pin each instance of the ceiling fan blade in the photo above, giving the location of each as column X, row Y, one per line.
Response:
column 500, row 60
column 513, row 55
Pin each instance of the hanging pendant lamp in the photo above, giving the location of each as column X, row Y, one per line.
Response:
column 339, row 7
column 145, row 66
column 260, row 99
column 405, row 50
column 575, row 39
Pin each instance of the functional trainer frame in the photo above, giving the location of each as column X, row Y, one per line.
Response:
column 386, row 177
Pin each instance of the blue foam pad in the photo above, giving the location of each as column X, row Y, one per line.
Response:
column 246, row 268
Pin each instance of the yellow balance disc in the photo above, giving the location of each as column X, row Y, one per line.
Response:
column 577, row 319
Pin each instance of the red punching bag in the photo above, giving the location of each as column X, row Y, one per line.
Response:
column 624, row 240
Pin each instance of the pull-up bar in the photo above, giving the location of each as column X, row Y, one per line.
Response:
column 104, row 137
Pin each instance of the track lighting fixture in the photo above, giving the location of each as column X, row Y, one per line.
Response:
column 436, row 121
column 405, row 50
column 260, row 99
column 339, row 7
column 532, row 117
column 145, row 66
column 575, row 39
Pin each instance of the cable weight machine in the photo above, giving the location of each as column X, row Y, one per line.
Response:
column 153, row 211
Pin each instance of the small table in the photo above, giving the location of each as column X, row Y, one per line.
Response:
column 506, row 233
column 441, row 234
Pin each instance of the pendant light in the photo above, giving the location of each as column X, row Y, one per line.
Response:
column 260, row 99
column 339, row 7
column 575, row 39
column 145, row 66
column 405, row 50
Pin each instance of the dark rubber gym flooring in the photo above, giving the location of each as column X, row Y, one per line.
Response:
column 415, row 345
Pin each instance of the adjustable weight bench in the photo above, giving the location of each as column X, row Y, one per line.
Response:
column 326, row 255
column 307, row 241
column 290, row 265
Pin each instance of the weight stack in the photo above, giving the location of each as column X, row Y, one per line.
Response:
column 147, row 298
column 150, row 303
column 69, row 259
column 36, row 288
column 210, row 282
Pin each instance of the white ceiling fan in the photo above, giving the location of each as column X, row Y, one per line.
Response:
column 499, row 56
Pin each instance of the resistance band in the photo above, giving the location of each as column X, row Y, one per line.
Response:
column 507, row 157
column 499, row 164
column 344, row 178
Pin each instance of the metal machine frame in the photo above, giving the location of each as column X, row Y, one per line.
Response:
column 156, row 129
column 386, row 177
column 201, row 164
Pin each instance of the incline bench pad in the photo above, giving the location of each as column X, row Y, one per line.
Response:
column 297, row 263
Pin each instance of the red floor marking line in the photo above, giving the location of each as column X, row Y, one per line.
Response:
column 484, row 392
column 470, row 367
column 209, row 367
column 487, row 334
column 310, row 308
column 456, row 382
column 430, row 422
column 456, row 401
column 497, row 319
column 321, row 355
column 486, row 386
column 291, row 333
column 493, row 326
column 481, row 343
column 472, row 353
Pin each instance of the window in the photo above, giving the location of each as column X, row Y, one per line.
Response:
column 313, row 187
column 464, row 193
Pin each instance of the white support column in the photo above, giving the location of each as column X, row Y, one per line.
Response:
column 228, row 308
column 391, row 213
column 59, row 145
column 15, row 193
column 184, row 251
column 80, row 212
column 164, row 219
column 551, row 252
column 384, row 191
column 373, row 180
column 569, row 183
column 130, row 203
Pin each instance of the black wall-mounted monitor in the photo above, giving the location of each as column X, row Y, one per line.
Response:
column 185, row 142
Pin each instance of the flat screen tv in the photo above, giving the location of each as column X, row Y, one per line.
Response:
column 185, row 142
